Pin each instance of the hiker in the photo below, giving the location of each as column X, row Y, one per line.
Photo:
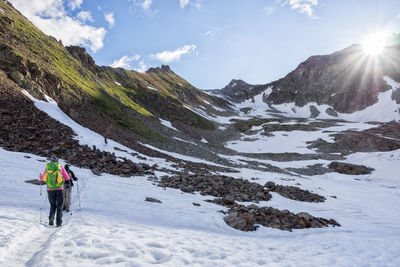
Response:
column 68, row 188
column 55, row 175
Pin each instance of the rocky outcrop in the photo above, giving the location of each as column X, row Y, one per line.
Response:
column 244, row 217
column 347, row 168
column 162, row 69
column 382, row 138
column 82, row 56
column 217, row 186
column 294, row 193
column 28, row 74
column 310, row 170
column 153, row 200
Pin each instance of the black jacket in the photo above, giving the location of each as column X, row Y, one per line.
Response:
column 72, row 176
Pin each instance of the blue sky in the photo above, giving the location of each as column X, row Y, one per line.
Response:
column 210, row 42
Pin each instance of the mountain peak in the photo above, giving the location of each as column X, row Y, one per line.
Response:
column 236, row 82
column 162, row 69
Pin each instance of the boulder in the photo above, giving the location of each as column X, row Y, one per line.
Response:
column 150, row 199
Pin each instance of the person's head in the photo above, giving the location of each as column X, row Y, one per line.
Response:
column 53, row 158
column 66, row 166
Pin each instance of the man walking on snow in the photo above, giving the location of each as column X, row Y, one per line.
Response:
column 55, row 176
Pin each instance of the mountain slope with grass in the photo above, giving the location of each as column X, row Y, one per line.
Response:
column 129, row 101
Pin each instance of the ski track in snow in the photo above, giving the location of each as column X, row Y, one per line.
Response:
column 116, row 227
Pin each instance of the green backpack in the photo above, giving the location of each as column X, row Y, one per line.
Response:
column 54, row 178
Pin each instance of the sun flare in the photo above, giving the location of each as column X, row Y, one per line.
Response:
column 374, row 44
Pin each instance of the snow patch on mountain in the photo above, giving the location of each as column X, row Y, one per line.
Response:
column 168, row 124
column 386, row 109
column 152, row 88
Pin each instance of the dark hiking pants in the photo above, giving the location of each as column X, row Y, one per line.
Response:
column 67, row 198
column 56, row 202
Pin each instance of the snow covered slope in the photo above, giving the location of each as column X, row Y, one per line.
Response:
column 116, row 227
column 386, row 109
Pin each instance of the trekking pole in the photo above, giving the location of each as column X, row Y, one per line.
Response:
column 41, row 202
column 79, row 198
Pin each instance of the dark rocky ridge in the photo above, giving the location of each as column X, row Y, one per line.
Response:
column 347, row 80
column 244, row 217
column 238, row 90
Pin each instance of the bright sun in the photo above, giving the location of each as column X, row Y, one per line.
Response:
column 374, row 44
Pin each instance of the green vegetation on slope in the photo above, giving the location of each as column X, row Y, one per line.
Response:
column 39, row 62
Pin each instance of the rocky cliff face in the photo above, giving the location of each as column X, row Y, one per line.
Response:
column 82, row 55
column 348, row 80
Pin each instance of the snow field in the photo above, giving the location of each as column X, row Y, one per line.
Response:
column 116, row 227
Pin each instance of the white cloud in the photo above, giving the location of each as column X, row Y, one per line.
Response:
column 171, row 56
column 142, row 67
column 50, row 17
column 124, row 62
column 74, row 4
column 183, row 3
column 84, row 16
column 209, row 33
column 269, row 9
column 109, row 17
column 398, row 16
column 146, row 4
column 304, row 6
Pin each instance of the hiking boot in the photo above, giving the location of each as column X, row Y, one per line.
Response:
column 51, row 223
column 59, row 223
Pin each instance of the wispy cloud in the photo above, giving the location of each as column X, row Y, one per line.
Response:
column 183, row 3
column 124, row 62
column 209, row 33
column 109, row 17
column 269, row 10
column 171, row 56
column 146, row 4
column 74, row 4
column 50, row 16
column 84, row 16
column 304, row 7
column 398, row 16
